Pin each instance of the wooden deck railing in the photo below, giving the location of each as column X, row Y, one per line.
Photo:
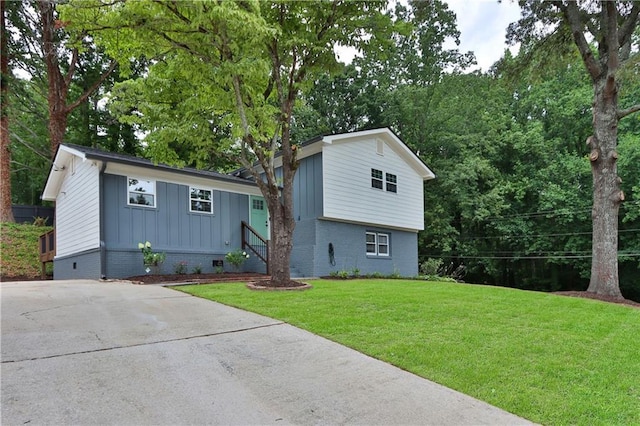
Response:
column 253, row 241
column 47, row 246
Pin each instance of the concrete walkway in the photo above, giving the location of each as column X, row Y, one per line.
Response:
column 86, row 352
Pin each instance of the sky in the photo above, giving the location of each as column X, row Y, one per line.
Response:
column 483, row 26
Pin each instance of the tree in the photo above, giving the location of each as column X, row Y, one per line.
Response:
column 6, row 215
column 60, row 75
column 249, row 62
column 611, row 26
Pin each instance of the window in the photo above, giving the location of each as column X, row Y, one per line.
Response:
column 376, row 178
column 200, row 200
column 142, row 192
column 392, row 183
column 377, row 244
column 258, row 204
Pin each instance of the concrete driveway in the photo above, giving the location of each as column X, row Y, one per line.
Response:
column 87, row 352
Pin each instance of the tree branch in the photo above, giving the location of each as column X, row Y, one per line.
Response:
column 611, row 34
column 93, row 88
column 624, row 112
column 571, row 13
column 72, row 68
column 627, row 28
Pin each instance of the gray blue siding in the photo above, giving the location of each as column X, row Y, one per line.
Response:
column 349, row 244
column 310, row 255
column 307, row 188
column 170, row 228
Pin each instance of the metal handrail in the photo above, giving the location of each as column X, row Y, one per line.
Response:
column 253, row 241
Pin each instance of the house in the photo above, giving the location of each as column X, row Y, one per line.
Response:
column 358, row 202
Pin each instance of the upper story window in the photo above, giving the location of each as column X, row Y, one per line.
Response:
column 376, row 178
column 377, row 244
column 392, row 183
column 200, row 200
column 141, row 192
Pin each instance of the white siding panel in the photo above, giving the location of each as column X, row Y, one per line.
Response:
column 78, row 209
column 348, row 194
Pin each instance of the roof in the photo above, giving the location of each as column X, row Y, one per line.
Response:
column 67, row 150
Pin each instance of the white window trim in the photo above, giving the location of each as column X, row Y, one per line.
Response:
column 381, row 180
column 376, row 237
column 387, row 183
column 202, row 200
column 154, row 193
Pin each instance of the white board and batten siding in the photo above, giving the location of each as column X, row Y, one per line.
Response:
column 349, row 195
column 78, row 208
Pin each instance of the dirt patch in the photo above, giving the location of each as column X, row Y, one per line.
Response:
column 24, row 278
column 609, row 299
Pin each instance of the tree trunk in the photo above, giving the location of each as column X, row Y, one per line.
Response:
column 282, row 219
column 281, row 245
column 607, row 195
column 57, row 90
column 6, row 214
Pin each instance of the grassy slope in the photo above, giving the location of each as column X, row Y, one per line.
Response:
column 551, row 359
column 19, row 250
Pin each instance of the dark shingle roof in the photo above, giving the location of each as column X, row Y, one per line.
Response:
column 98, row 154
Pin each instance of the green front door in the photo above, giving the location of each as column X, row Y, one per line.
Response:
column 259, row 216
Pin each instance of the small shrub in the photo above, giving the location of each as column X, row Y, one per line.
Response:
column 236, row 258
column 180, row 268
column 149, row 257
column 430, row 266
column 355, row 272
column 343, row 274
column 197, row 269
column 218, row 269
column 395, row 274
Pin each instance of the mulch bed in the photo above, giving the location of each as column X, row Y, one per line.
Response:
column 599, row 297
column 196, row 278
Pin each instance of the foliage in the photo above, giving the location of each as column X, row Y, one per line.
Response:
column 19, row 247
column 236, row 258
column 540, row 356
column 150, row 258
column 180, row 267
column 430, row 266
column 197, row 269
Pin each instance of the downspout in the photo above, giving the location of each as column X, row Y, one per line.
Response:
column 103, row 249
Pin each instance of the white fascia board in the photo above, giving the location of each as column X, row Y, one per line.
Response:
column 181, row 179
column 58, row 171
column 372, row 224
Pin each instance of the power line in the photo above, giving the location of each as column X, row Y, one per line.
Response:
column 525, row 257
column 516, row 237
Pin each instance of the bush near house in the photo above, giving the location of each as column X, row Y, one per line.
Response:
column 19, row 257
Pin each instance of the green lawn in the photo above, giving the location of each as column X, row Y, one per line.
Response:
column 551, row 359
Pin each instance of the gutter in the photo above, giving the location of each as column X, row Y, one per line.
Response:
column 103, row 249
